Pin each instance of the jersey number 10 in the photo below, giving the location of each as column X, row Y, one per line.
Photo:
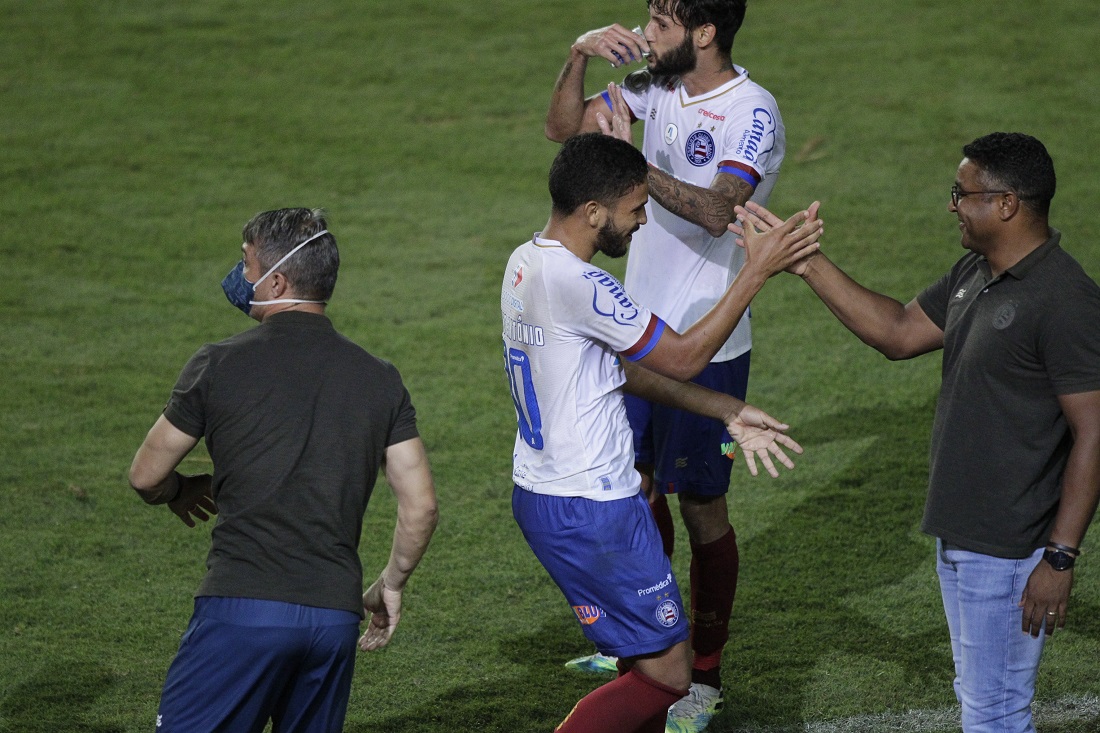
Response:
column 518, row 366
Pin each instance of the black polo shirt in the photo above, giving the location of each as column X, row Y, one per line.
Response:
column 1012, row 344
column 297, row 419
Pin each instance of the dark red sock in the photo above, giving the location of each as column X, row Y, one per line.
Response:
column 713, row 585
column 628, row 704
column 663, row 517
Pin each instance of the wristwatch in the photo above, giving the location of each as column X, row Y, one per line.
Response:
column 1059, row 560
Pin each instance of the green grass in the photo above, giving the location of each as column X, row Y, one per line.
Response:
column 137, row 137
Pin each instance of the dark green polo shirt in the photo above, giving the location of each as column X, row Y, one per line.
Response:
column 297, row 419
column 1012, row 344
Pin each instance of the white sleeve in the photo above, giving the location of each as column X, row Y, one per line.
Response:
column 637, row 101
column 750, row 138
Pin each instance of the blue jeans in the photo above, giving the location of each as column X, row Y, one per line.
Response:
column 996, row 662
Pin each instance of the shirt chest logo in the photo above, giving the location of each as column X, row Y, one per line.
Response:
column 1004, row 316
column 699, row 148
column 671, row 133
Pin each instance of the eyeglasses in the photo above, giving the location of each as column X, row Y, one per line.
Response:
column 957, row 193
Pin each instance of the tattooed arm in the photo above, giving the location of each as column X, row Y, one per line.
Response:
column 570, row 113
column 710, row 208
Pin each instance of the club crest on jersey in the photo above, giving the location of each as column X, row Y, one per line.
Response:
column 1004, row 316
column 668, row 613
column 609, row 299
column 588, row 615
column 699, row 148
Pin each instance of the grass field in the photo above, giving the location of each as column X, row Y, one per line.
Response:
column 137, row 137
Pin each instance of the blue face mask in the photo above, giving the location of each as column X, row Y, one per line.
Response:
column 241, row 293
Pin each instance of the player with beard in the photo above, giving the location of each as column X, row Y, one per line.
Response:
column 714, row 140
column 574, row 342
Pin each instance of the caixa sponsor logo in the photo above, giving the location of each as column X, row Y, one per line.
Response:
column 609, row 299
column 759, row 138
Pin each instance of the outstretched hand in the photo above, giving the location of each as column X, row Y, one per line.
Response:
column 383, row 605
column 761, row 436
column 756, row 228
column 619, row 124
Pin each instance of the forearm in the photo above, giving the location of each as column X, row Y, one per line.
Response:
column 874, row 318
column 711, row 208
column 163, row 491
column 415, row 525
column 688, row 396
column 566, row 114
column 1080, row 493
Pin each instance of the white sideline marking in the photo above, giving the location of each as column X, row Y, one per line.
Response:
column 1055, row 712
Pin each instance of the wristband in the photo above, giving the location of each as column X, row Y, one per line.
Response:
column 1064, row 548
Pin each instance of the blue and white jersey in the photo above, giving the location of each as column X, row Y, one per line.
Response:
column 566, row 324
column 676, row 267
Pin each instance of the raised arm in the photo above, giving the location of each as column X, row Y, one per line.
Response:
column 683, row 355
column 897, row 331
column 410, row 477
column 570, row 113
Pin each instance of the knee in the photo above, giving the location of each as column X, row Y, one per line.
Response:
column 706, row 518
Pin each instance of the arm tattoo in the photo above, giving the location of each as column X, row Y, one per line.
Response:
column 564, row 75
column 710, row 208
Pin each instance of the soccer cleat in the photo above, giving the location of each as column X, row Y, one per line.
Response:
column 692, row 714
column 594, row 664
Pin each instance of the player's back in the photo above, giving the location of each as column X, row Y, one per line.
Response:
column 564, row 321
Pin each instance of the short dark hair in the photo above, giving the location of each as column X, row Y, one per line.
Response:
column 312, row 270
column 594, row 167
column 1017, row 162
column 726, row 16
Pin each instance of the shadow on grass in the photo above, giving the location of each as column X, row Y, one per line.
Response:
column 515, row 706
column 851, row 537
column 57, row 699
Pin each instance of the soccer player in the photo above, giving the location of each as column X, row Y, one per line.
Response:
column 714, row 140
column 574, row 342
column 1015, row 457
column 298, row 421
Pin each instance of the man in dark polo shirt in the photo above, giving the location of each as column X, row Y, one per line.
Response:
column 1015, row 456
column 298, row 421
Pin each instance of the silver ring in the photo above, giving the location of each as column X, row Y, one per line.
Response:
column 1052, row 613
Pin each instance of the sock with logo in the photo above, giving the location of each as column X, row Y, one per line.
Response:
column 663, row 517
column 713, row 584
column 632, row 702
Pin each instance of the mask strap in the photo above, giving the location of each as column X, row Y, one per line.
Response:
column 276, row 266
column 288, row 255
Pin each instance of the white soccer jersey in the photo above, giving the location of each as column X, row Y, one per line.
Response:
column 675, row 267
column 566, row 323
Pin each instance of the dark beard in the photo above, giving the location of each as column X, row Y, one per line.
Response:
column 676, row 62
column 612, row 242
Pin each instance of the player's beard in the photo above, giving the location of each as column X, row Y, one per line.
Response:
column 613, row 242
column 678, row 61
